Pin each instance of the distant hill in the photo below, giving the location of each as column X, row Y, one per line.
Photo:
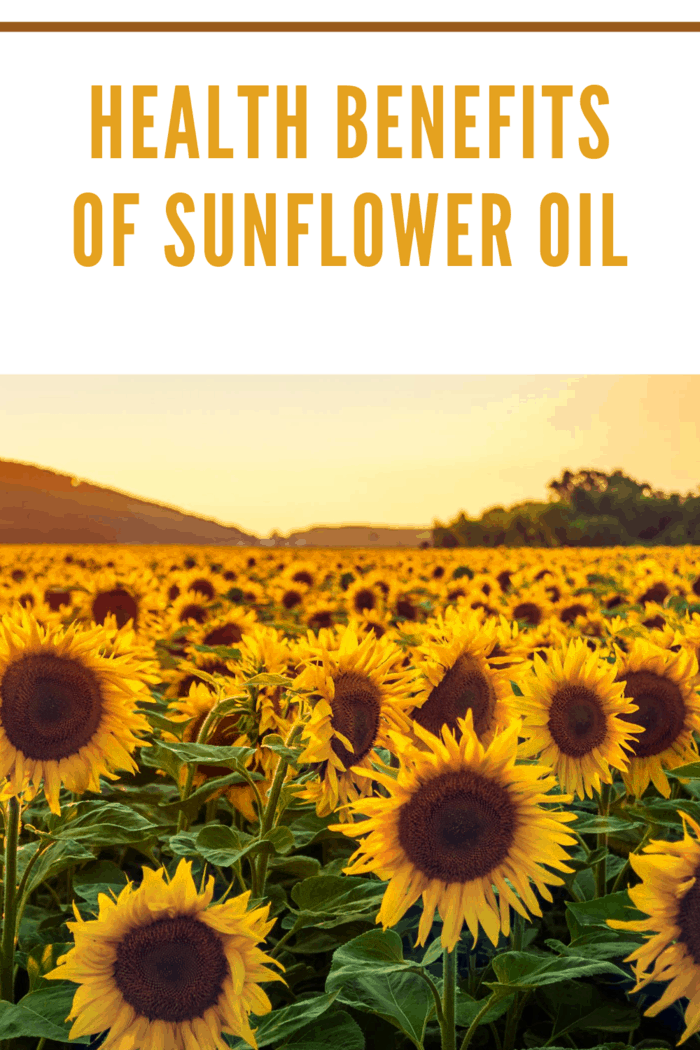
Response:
column 353, row 536
column 42, row 506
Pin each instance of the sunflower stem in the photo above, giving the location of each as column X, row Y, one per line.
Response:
column 514, row 1015
column 449, row 999
column 7, row 951
column 202, row 737
column 601, row 871
column 517, row 932
column 268, row 816
column 488, row 1003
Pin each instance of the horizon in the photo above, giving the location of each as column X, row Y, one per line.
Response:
column 272, row 453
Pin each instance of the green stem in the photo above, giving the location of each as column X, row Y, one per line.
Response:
column 602, row 842
column 287, row 936
column 517, row 932
column 513, row 1021
column 7, row 951
column 496, row 1037
column 435, row 994
column 477, row 1020
column 42, row 1043
column 449, row 999
column 268, row 817
column 22, row 895
column 202, row 737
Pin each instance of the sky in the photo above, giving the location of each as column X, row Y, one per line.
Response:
column 288, row 452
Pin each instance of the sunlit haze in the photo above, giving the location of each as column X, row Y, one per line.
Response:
column 286, row 452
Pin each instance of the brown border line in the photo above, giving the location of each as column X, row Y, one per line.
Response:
column 349, row 27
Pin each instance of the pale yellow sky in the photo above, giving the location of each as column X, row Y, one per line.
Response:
column 286, row 452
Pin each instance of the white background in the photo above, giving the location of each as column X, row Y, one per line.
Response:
column 151, row 317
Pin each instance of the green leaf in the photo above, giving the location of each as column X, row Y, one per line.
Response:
column 103, row 824
column 577, row 1005
column 591, row 824
column 271, row 680
column 59, row 857
column 171, row 757
column 335, row 1028
column 313, row 941
column 276, row 1027
column 276, row 744
column 598, row 943
column 596, row 912
column 689, row 772
column 41, row 1014
column 466, row 1009
column 299, row 866
column 433, row 953
column 337, row 894
column 41, row 926
column 281, row 838
column 224, row 846
column 196, row 800
column 520, row 971
column 165, row 724
column 666, row 811
column 223, row 652
column 102, row 877
column 370, row 974
column 42, row 959
column 305, row 827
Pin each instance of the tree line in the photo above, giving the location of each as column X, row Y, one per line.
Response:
column 586, row 508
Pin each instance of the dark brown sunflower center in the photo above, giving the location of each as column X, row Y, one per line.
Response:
column 303, row 576
column 661, row 711
column 290, row 599
column 193, row 611
column 464, row 686
column 204, row 587
column 51, row 705
column 458, row 826
column 227, row 634
column 118, row 603
column 689, row 919
column 569, row 614
column 577, row 720
column 322, row 618
column 528, row 613
column 356, row 706
column 658, row 592
column 364, row 600
column 172, row 970
column 57, row 599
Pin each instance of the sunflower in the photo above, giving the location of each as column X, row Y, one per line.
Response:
column 455, row 677
column 122, row 595
column 227, row 628
column 363, row 597
column 574, row 711
column 662, row 685
column 67, row 712
column 459, row 820
column 358, row 692
column 669, row 893
column 161, row 966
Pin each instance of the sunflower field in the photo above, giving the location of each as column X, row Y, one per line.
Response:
column 432, row 799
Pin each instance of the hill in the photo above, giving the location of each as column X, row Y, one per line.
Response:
column 43, row 506
column 353, row 536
